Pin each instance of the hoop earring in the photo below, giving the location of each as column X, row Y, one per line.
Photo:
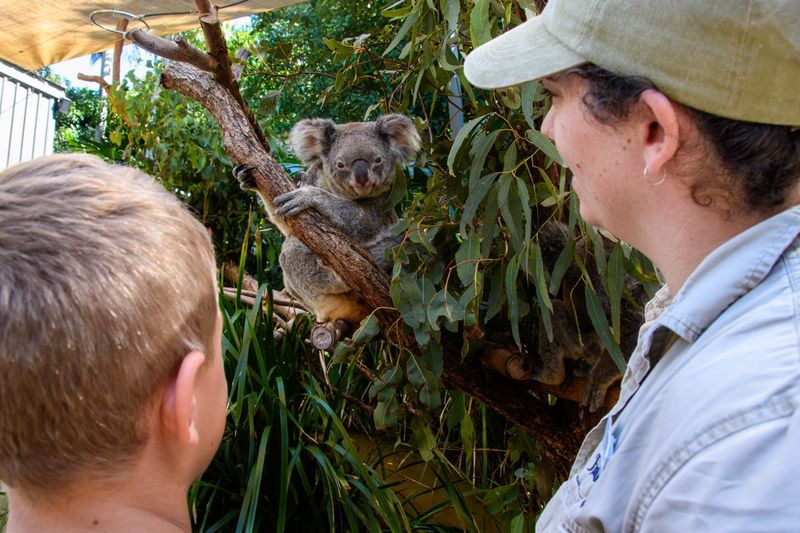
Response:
column 649, row 178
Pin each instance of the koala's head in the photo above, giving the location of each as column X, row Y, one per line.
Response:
column 357, row 159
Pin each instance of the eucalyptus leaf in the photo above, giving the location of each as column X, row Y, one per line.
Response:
column 417, row 373
column 517, row 524
column 510, row 158
column 450, row 8
column 490, row 226
column 433, row 355
column 496, row 294
column 511, row 98
column 513, row 218
column 424, row 439
column 445, row 305
column 384, row 415
column 398, row 191
column 615, row 282
column 407, row 297
column 600, row 324
column 369, row 328
column 561, row 266
column 467, row 256
column 482, row 144
column 545, row 145
column 342, row 352
column 474, row 200
column 479, row 28
column 542, row 296
column 598, row 250
column 447, row 60
column 523, row 196
column 512, row 270
column 430, row 396
column 268, row 102
column 407, row 24
column 463, row 133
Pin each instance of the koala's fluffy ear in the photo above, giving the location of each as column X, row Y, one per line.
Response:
column 311, row 139
column 400, row 133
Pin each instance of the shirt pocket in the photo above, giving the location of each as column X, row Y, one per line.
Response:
column 560, row 515
column 568, row 505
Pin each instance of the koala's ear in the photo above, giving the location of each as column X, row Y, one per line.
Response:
column 400, row 133
column 311, row 139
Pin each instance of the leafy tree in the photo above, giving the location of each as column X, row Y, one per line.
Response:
column 79, row 125
column 292, row 66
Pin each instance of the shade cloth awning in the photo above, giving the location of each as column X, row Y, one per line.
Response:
column 37, row 33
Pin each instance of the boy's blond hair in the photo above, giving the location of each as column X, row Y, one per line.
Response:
column 106, row 282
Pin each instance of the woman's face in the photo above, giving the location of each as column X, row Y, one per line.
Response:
column 606, row 161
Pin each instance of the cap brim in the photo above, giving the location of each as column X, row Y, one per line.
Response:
column 525, row 53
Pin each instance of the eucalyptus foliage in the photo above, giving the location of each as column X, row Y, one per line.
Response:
column 475, row 258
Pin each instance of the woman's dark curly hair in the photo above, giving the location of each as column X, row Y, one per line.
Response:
column 760, row 161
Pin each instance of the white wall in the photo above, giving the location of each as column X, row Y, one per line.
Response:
column 27, row 122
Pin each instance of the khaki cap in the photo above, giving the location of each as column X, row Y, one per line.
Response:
column 738, row 59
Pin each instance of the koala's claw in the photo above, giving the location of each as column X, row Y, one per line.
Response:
column 244, row 175
column 291, row 203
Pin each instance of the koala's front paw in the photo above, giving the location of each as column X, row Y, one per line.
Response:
column 293, row 202
column 244, row 175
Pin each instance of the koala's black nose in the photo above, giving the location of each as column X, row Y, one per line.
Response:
column 360, row 171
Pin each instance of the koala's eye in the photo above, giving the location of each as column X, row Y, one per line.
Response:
column 378, row 160
column 340, row 165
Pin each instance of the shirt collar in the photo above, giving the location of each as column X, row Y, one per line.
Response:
column 726, row 274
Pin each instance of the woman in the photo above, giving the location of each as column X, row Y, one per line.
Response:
column 678, row 120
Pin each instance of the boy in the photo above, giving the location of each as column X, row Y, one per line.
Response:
column 112, row 389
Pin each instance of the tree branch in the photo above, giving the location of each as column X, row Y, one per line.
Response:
column 177, row 50
column 96, row 79
column 122, row 25
column 217, row 48
column 559, row 428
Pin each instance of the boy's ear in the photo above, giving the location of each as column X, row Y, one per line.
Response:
column 177, row 407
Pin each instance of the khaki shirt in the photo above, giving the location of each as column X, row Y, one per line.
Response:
column 706, row 433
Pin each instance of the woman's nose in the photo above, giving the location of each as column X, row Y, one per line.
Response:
column 547, row 125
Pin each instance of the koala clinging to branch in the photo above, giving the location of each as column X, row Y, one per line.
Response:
column 350, row 173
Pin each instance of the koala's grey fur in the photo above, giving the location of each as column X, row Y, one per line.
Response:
column 590, row 359
column 350, row 171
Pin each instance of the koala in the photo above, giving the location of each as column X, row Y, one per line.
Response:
column 590, row 360
column 350, row 171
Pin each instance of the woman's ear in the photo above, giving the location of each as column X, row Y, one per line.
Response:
column 177, row 409
column 660, row 130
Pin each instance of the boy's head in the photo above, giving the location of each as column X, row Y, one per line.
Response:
column 106, row 284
